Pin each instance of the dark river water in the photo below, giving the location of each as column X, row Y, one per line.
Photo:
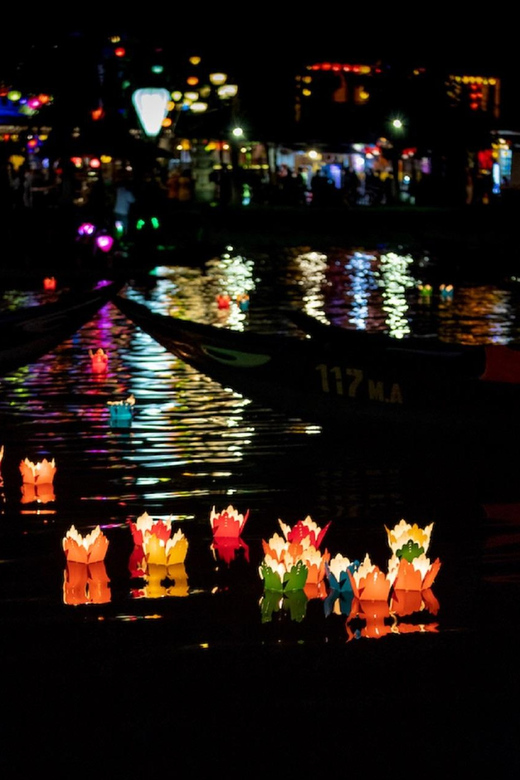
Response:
column 193, row 446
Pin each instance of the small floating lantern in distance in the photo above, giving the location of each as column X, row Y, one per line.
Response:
column 99, row 360
column 49, row 283
column 121, row 412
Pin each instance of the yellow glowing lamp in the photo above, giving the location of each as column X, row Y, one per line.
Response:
column 218, row 79
column 227, row 91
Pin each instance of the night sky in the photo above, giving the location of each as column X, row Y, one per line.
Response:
column 271, row 41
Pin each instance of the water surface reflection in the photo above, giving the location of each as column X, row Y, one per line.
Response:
column 190, row 445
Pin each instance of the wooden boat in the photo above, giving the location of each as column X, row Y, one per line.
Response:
column 338, row 381
column 30, row 332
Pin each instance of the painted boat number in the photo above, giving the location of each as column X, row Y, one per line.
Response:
column 352, row 382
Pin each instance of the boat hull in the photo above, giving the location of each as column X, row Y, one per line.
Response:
column 338, row 385
column 29, row 333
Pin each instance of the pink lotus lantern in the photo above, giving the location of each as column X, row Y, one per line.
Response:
column 227, row 524
column 146, row 526
column 223, row 301
column 37, row 473
column 85, row 549
column 99, row 360
column 303, row 529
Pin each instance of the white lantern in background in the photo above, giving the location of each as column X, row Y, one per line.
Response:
column 151, row 105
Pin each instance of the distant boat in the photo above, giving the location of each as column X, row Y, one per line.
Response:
column 340, row 379
column 30, row 332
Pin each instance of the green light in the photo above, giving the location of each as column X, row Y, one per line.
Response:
column 157, row 68
column 155, row 222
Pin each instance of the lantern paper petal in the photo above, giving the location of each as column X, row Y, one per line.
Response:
column 229, row 523
column 38, row 473
column 88, row 549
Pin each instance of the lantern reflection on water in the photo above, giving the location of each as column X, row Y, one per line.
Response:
column 98, row 360
column 42, row 494
column 86, row 583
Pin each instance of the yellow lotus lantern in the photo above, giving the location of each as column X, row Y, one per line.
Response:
column 38, row 473
column 409, row 540
column 168, row 553
column 85, row 549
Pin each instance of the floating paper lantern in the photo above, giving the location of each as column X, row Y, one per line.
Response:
column 37, row 473
column 243, row 302
column 227, row 524
column 283, row 576
column 121, row 412
column 223, row 301
column 85, row 549
column 446, row 292
column 49, row 283
column 305, row 529
column 168, row 553
column 98, row 360
column 146, row 526
column 369, row 582
column 409, row 541
column 418, row 574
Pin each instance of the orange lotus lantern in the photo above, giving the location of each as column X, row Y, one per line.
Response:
column 85, row 549
column 98, row 360
column 49, row 283
column 227, row 524
column 369, row 582
column 418, row 574
column 37, row 473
